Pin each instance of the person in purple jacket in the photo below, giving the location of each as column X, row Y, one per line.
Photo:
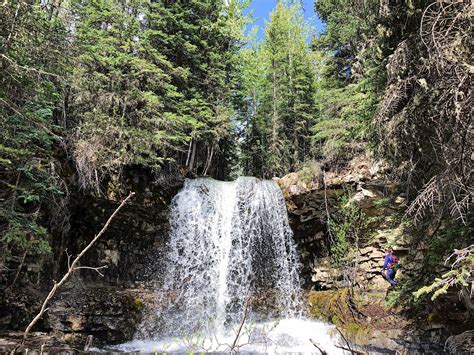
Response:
column 389, row 264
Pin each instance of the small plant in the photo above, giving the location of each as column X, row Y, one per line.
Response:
column 310, row 171
column 460, row 274
column 345, row 228
column 382, row 202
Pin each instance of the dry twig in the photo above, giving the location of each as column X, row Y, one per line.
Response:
column 319, row 347
column 239, row 331
column 72, row 267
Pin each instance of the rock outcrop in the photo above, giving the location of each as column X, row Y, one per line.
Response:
column 372, row 319
column 108, row 314
column 310, row 204
column 107, row 307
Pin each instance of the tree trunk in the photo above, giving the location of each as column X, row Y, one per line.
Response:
column 209, row 160
column 274, row 135
column 193, row 156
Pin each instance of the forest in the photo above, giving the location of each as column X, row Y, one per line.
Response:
column 90, row 89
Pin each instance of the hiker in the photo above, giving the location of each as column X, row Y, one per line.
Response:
column 389, row 265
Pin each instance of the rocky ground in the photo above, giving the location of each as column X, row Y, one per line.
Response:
column 369, row 323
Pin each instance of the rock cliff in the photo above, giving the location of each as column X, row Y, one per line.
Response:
column 107, row 306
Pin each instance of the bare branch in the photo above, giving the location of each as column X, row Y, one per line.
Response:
column 73, row 267
column 244, row 318
column 96, row 269
column 19, row 270
column 357, row 352
column 460, row 255
column 319, row 347
column 345, row 340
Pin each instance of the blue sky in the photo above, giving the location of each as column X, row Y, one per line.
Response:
column 262, row 8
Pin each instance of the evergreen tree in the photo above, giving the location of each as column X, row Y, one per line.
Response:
column 123, row 90
column 349, row 76
column 34, row 55
column 252, row 74
column 282, row 101
column 153, row 84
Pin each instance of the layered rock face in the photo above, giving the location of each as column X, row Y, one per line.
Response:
column 106, row 306
column 368, row 316
column 110, row 307
column 108, row 313
column 310, row 205
column 133, row 246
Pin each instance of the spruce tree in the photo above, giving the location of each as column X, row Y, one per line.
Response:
column 153, row 84
column 278, row 134
column 34, row 67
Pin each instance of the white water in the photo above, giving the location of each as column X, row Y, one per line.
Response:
column 277, row 337
column 230, row 244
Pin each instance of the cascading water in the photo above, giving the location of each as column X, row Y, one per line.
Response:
column 230, row 250
column 229, row 241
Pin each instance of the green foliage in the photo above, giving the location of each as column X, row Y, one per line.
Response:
column 310, row 171
column 33, row 60
column 462, row 261
column 152, row 84
column 458, row 277
column 343, row 116
column 277, row 91
column 345, row 226
column 350, row 34
column 351, row 73
column 432, row 272
column 382, row 202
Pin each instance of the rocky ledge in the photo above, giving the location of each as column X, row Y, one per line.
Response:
column 355, row 295
column 86, row 314
column 312, row 199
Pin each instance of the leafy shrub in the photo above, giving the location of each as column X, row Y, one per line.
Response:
column 310, row 171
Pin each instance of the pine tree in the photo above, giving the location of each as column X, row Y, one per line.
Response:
column 34, row 67
column 279, row 131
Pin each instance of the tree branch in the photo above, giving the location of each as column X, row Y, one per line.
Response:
column 237, row 335
column 73, row 267
column 28, row 69
column 321, row 350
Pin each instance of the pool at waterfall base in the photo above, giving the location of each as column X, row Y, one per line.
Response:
column 291, row 335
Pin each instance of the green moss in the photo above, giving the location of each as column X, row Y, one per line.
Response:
column 138, row 303
column 357, row 333
column 135, row 304
column 329, row 305
column 332, row 306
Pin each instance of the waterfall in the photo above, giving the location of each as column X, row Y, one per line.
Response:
column 230, row 253
column 229, row 242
